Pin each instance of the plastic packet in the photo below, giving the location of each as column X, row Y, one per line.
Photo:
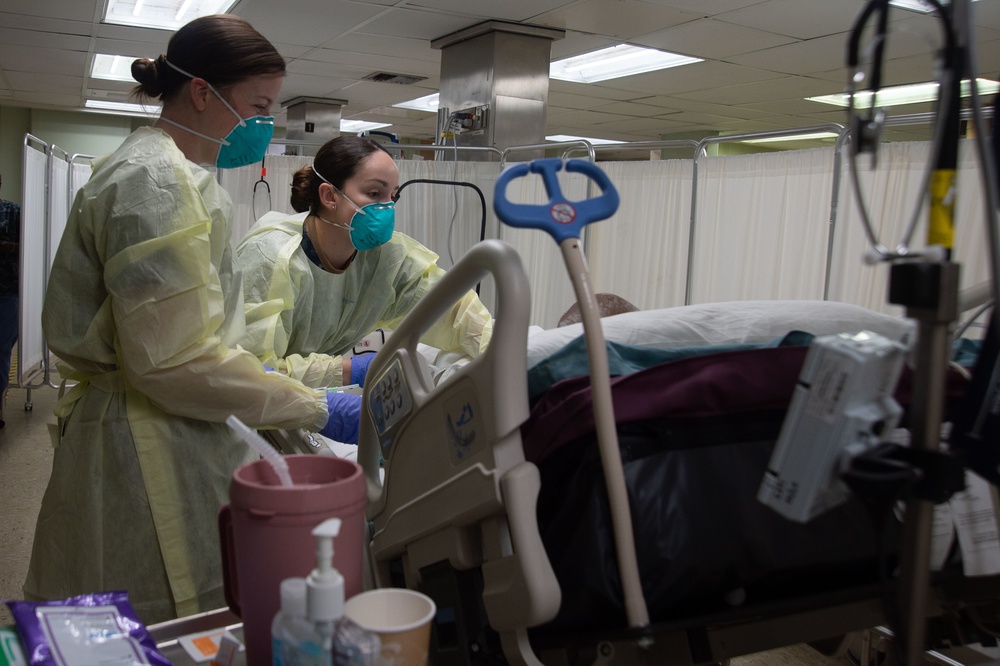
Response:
column 88, row 629
column 10, row 648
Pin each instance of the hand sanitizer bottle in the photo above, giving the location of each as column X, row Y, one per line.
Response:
column 290, row 627
column 342, row 642
column 325, row 588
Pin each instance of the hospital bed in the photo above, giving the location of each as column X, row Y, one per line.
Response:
column 495, row 506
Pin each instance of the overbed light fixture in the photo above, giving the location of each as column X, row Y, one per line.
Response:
column 794, row 137
column 426, row 103
column 898, row 95
column 161, row 14
column 615, row 62
column 355, row 126
column 569, row 137
column 148, row 110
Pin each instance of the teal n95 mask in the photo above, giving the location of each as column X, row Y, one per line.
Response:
column 245, row 144
column 371, row 225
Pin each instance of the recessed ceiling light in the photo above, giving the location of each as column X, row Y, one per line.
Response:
column 148, row 110
column 795, row 137
column 112, row 67
column 568, row 137
column 898, row 95
column 425, row 103
column 360, row 125
column 161, row 14
column 615, row 62
column 914, row 5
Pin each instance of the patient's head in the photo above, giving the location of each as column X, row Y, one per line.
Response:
column 607, row 305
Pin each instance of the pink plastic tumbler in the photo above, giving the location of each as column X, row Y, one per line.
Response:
column 266, row 535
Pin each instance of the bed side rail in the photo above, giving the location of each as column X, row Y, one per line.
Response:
column 457, row 487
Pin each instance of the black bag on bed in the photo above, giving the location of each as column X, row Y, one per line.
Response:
column 696, row 436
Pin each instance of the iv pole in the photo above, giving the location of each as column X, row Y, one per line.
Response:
column 929, row 291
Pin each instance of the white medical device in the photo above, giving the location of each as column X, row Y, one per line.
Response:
column 842, row 406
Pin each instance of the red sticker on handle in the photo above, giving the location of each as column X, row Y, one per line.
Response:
column 563, row 213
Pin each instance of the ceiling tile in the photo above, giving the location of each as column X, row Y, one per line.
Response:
column 703, row 7
column 576, row 43
column 39, row 23
column 326, row 19
column 11, row 37
column 508, row 10
column 820, row 54
column 698, row 76
column 41, row 61
column 795, row 106
column 592, row 90
column 81, row 10
column 762, row 56
column 571, row 101
column 708, row 38
column 43, row 83
column 801, row 19
column 417, row 24
column 46, row 100
column 652, row 127
column 728, row 111
column 623, row 19
column 761, row 91
column 368, row 63
column 635, row 109
column 399, row 47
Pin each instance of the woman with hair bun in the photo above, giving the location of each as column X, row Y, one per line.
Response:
column 317, row 282
column 145, row 311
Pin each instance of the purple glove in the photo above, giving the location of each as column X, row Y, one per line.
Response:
column 345, row 417
column 359, row 368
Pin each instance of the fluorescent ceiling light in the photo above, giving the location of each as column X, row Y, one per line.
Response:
column 425, row 103
column 161, row 14
column 131, row 109
column 360, row 125
column 897, row 95
column 796, row 137
column 112, row 67
column 914, row 5
column 568, row 137
column 615, row 62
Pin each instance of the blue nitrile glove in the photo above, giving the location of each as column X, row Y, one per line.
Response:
column 345, row 417
column 268, row 368
column 359, row 368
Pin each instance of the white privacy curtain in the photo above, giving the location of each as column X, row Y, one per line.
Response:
column 761, row 226
column 33, row 264
column 892, row 191
column 761, row 229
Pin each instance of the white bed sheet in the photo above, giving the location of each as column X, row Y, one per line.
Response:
column 731, row 322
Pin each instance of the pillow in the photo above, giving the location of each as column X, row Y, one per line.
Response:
column 727, row 323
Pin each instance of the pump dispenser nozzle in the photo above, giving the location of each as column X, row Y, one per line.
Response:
column 325, row 585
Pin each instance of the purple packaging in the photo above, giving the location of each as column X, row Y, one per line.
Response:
column 88, row 629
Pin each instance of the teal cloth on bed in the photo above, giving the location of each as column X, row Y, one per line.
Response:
column 623, row 359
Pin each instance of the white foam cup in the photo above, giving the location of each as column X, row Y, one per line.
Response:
column 402, row 620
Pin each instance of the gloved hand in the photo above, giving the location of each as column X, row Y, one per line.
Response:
column 359, row 368
column 345, row 417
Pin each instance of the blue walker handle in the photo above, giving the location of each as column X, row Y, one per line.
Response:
column 560, row 217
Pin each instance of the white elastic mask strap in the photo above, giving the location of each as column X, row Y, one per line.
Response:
column 356, row 207
column 221, row 142
column 336, row 224
column 215, row 92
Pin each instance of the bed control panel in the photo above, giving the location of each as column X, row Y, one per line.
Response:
column 389, row 401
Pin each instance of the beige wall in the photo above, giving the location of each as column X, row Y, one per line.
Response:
column 76, row 132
